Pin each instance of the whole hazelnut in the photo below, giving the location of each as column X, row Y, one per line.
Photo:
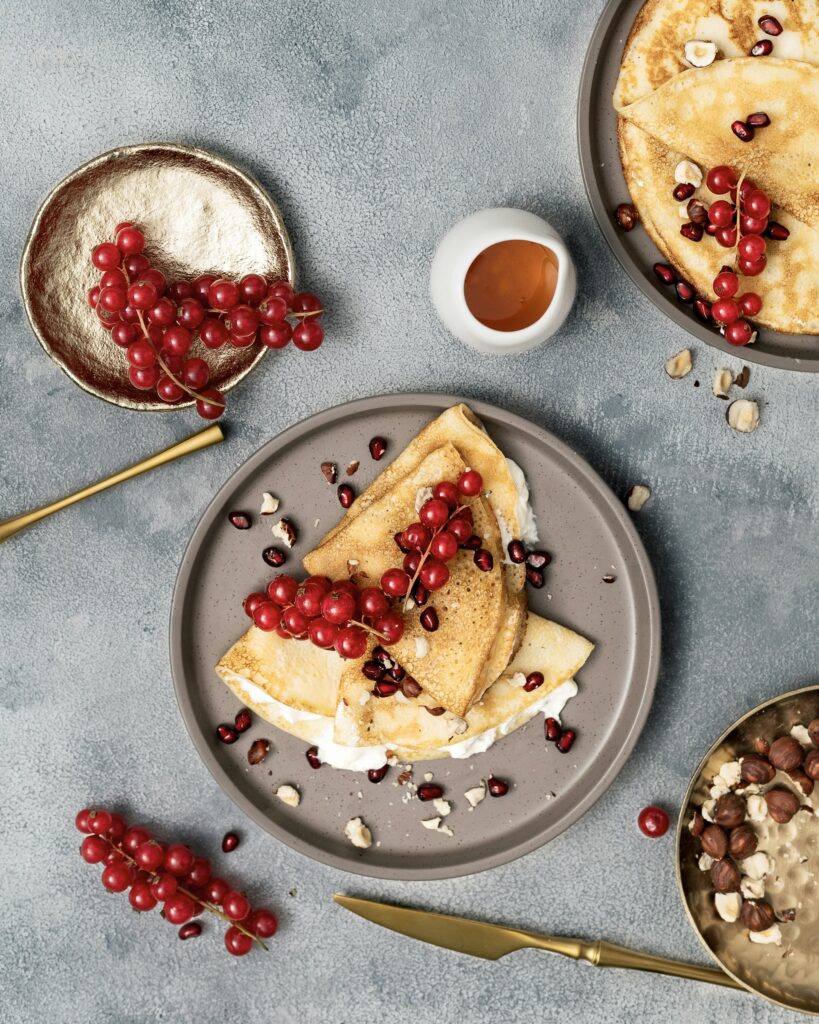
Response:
column 627, row 216
column 782, row 804
column 786, row 753
column 714, row 841
column 698, row 823
column 742, row 842
column 762, row 746
column 725, row 876
column 812, row 765
column 729, row 810
column 813, row 732
column 756, row 769
column 757, row 915
column 802, row 780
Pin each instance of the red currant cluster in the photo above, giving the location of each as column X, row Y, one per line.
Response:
column 337, row 614
column 157, row 323
column 172, row 875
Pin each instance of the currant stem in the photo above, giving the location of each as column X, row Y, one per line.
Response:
column 425, row 555
column 169, row 372
column 367, row 629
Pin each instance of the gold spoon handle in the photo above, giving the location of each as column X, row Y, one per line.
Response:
column 203, row 439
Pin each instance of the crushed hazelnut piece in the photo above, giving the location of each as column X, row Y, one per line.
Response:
column 680, row 365
column 270, row 504
column 721, row 384
column 289, row 795
column 743, row 416
column 637, row 497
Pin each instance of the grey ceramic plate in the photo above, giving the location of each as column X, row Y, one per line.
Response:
column 590, row 535
column 606, row 188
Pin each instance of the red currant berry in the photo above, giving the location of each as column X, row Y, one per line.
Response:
column 306, row 302
column 263, row 923
column 757, row 204
column 81, row 820
column 211, row 405
column 373, row 602
column 171, row 360
column 721, row 179
column 142, row 295
column 295, row 622
column 391, row 626
column 322, row 633
column 252, row 602
column 156, row 278
column 129, row 239
column 752, row 268
column 434, row 513
column 236, row 942
column 721, row 213
column 179, row 909
column 276, row 335
column 470, row 483
column 308, row 600
column 417, row 536
column 94, row 849
column 750, row 248
column 118, row 876
column 216, row 890
column 195, row 373
column 94, row 296
column 164, row 886
column 351, row 642
column 749, row 303
column 725, row 311
column 134, row 837
column 163, row 314
column 395, row 582
column 116, row 830
column 339, row 606
column 114, row 279
column 178, row 859
column 243, row 320
column 190, row 313
column 177, row 340
column 272, row 311
column 213, row 333
column 345, row 586
column 252, row 289
column 141, row 898
column 199, row 874
column 726, row 237
column 308, row 336
column 444, row 546
column 236, row 905
column 461, row 528
column 106, row 256
column 201, row 287
column 752, row 225
column 150, row 855
column 113, row 299
column 168, row 390
column 726, row 284
column 282, row 590
column 129, row 315
column 124, row 334
column 180, row 290
column 99, row 821
column 434, row 574
column 223, row 294
column 653, row 822
column 267, row 616
column 282, row 290
column 448, row 492
column 739, row 332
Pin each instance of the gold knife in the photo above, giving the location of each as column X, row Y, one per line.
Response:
column 492, row 941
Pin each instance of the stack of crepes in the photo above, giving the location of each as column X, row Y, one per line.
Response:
column 669, row 111
column 473, row 666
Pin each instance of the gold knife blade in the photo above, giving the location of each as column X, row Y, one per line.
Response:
column 492, row 941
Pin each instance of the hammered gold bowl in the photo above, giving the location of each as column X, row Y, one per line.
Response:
column 200, row 214
column 788, row 974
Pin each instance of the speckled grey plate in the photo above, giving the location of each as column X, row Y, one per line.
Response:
column 606, row 188
column 590, row 535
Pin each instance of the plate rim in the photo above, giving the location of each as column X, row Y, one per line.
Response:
column 588, row 80
column 643, row 577
column 204, row 155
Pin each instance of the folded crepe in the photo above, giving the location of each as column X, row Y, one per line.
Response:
column 478, row 624
column 316, row 696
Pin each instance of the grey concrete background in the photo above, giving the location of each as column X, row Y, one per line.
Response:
column 375, row 126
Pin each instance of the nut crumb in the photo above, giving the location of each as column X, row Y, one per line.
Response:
column 688, row 173
column 680, row 365
column 637, row 497
column 699, row 53
column 270, row 503
column 609, row 578
column 353, row 467
column 743, row 415
column 721, row 384
column 358, row 834
column 285, row 531
column 743, row 377
column 330, row 472
column 289, row 795
column 443, row 807
column 475, row 795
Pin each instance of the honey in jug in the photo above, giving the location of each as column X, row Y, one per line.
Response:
column 510, row 285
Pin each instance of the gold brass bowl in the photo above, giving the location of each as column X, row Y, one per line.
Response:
column 200, row 214
column 788, row 974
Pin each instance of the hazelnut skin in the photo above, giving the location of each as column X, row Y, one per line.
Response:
column 786, row 754
column 757, row 915
column 756, row 769
column 697, row 824
column 802, row 780
column 729, row 810
column 714, row 841
column 813, row 732
column 725, row 876
column 742, row 842
column 812, row 765
column 782, row 804
column 762, row 746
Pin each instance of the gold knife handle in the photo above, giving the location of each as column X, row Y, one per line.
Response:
column 606, row 954
column 202, row 439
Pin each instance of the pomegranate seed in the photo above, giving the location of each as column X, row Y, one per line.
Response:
column 664, row 272
column 372, row 670
column 274, row 556
column 430, row 791
column 553, row 730
column 743, row 131
column 653, row 821
column 385, row 688
column 497, row 787
column 564, row 744
column 762, row 48
column 429, row 620
column 377, row 774
column 396, row 671
column 229, row 842
column 758, row 120
column 702, row 310
column 190, row 930
column 346, row 495
column 484, row 560
column 420, row 594
column 693, row 232
column 241, row 520
column 683, row 191
column 534, row 577
column 778, row 232
column 517, row 552
column 627, row 216
column 259, row 749
column 435, row 712
column 538, row 559
column 711, row 229
column 312, row 757
column 226, row 733
column 769, row 24
column 685, row 293
column 243, row 720
column 472, row 543
column 377, row 446
column 533, row 681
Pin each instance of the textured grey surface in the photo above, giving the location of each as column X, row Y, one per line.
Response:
column 375, row 126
